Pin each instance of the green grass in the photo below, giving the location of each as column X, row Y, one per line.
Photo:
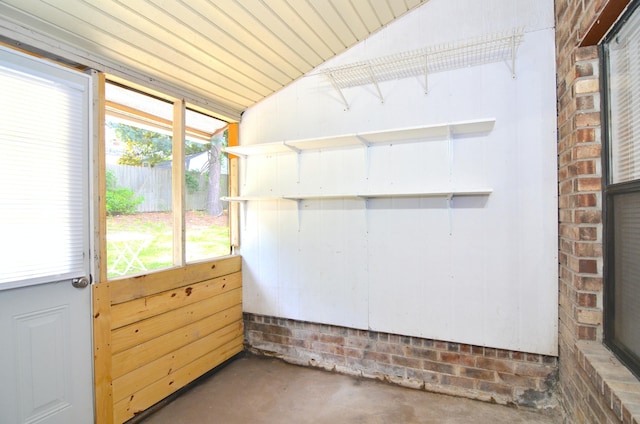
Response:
column 155, row 240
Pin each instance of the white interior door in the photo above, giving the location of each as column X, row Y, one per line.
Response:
column 45, row 321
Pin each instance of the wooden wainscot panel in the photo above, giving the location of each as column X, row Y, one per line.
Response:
column 102, row 353
column 139, row 309
column 148, row 329
column 138, row 356
column 143, row 399
column 156, row 333
column 144, row 376
column 149, row 284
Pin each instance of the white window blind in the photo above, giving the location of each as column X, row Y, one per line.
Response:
column 627, row 269
column 43, row 171
column 624, row 97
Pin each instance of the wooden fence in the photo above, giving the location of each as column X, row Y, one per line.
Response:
column 154, row 184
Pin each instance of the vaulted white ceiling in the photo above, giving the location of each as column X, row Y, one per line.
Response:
column 232, row 53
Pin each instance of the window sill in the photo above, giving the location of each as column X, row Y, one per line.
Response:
column 617, row 386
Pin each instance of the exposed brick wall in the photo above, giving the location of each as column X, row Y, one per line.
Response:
column 495, row 375
column 580, row 198
column 582, row 387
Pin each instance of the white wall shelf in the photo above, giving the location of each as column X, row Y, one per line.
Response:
column 248, row 198
column 401, row 135
column 365, row 196
column 426, row 133
column 447, row 194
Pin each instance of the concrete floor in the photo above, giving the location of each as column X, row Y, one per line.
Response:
column 263, row 390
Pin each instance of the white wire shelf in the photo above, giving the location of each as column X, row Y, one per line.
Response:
column 395, row 136
column 489, row 48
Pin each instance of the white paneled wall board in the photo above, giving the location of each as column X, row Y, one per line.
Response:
column 449, row 236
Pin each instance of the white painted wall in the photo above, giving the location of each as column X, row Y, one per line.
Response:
column 482, row 270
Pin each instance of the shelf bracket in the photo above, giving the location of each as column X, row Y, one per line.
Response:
column 367, row 153
column 375, row 82
column 337, row 88
column 426, row 73
column 450, row 151
column 513, row 55
column 450, row 210
column 243, row 212
column 293, row 148
column 243, row 169
column 299, row 207
column 363, row 140
column 296, row 150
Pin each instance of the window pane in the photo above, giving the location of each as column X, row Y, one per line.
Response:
column 206, row 176
column 138, row 138
column 627, row 269
column 624, row 101
column 43, row 193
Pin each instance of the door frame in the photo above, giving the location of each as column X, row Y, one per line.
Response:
column 89, row 194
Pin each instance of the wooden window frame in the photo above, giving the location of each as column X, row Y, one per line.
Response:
column 179, row 132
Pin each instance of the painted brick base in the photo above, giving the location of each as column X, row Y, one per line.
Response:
column 494, row 375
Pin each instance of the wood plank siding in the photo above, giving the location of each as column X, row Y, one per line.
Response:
column 158, row 332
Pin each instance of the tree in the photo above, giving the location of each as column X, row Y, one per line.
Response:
column 148, row 148
column 214, row 205
column 144, row 147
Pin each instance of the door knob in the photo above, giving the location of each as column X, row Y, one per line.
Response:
column 80, row 283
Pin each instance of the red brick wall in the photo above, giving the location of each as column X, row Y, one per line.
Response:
column 476, row 372
column 581, row 388
column 580, row 197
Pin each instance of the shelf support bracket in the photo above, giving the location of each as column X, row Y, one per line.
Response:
column 450, row 195
column 243, row 212
column 363, row 140
column 337, row 88
column 299, row 206
column 513, row 55
column 367, row 146
column 426, row 73
column 450, row 151
column 375, row 82
column 450, row 210
column 243, row 169
column 299, row 152
column 289, row 146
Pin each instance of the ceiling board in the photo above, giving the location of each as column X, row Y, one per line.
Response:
column 368, row 15
column 336, row 21
column 357, row 26
column 241, row 45
column 288, row 36
column 324, row 31
column 383, row 11
column 301, row 28
column 227, row 53
column 397, row 9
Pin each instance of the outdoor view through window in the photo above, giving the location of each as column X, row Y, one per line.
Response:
column 140, row 223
